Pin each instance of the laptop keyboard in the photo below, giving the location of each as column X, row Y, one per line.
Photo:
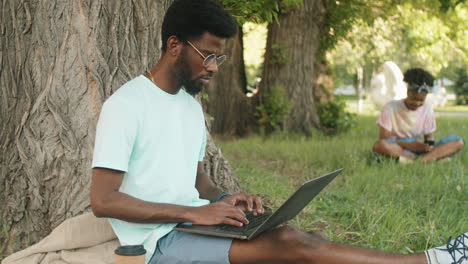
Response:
column 254, row 222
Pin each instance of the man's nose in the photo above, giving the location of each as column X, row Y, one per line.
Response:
column 212, row 67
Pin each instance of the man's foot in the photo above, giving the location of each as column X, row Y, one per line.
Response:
column 454, row 252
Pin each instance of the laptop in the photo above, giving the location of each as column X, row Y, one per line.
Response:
column 267, row 221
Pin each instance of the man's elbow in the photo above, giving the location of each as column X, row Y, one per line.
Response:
column 98, row 206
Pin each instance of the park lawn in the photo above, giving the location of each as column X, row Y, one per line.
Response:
column 453, row 108
column 388, row 206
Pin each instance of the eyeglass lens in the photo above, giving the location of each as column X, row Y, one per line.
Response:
column 212, row 58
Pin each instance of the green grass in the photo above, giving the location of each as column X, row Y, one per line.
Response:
column 453, row 108
column 368, row 108
column 388, row 206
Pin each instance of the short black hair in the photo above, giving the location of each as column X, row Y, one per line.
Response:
column 189, row 19
column 418, row 80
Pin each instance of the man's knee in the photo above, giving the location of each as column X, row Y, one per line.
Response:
column 301, row 243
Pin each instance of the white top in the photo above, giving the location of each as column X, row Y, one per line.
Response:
column 157, row 139
column 401, row 122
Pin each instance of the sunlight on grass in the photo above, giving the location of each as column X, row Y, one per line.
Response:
column 367, row 108
column 380, row 205
column 453, row 108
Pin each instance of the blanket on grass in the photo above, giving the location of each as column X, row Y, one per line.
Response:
column 82, row 239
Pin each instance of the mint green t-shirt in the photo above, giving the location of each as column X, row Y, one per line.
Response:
column 157, row 139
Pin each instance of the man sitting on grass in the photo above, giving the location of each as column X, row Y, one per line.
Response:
column 148, row 164
column 407, row 126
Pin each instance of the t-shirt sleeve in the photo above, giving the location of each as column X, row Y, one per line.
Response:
column 115, row 136
column 385, row 118
column 201, row 155
column 429, row 122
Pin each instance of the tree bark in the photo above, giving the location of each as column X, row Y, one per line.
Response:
column 291, row 53
column 323, row 83
column 227, row 104
column 59, row 61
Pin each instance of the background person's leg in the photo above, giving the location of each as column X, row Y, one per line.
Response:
column 445, row 147
column 389, row 147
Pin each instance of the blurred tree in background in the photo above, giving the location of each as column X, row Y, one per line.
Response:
column 229, row 109
column 425, row 33
column 315, row 45
column 461, row 86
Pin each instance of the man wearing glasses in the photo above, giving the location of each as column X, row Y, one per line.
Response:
column 147, row 164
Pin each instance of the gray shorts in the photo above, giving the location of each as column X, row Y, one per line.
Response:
column 182, row 247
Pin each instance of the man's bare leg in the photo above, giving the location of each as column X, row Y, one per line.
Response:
column 290, row 245
column 390, row 149
column 443, row 151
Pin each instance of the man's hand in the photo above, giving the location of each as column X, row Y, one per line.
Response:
column 245, row 202
column 229, row 210
column 217, row 213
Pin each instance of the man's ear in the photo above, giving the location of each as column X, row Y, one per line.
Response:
column 174, row 46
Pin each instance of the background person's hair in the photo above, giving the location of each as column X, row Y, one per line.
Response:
column 189, row 19
column 418, row 80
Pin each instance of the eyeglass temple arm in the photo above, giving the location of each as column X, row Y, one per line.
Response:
column 201, row 54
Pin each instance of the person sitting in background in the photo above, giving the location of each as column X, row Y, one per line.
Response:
column 407, row 126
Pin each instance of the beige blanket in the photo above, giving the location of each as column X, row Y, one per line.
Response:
column 83, row 239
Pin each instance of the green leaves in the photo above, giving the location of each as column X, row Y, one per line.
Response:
column 412, row 34
column 258, row 11
column 272, row 111
column 334, row 117
column 279, row 55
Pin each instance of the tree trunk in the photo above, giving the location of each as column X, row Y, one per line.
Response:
column 59, row 61
column 292, row 49
column 227, row 104
column 323, row 83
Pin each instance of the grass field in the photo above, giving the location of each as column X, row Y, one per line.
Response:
column 387, row 206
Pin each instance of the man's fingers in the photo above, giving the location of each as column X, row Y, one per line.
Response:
column 258, row 205
column 230, row 221
column 250, row 202
column 238, row 216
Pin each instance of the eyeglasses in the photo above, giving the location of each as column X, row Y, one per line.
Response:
column 419, row 88
column 208, row 60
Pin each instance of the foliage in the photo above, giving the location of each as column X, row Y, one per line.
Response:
column 272, row 110
column 258, row 11
column 413, row 36
column 445, row 5
column 386, row 206
column 461, row 86
column 334, row 118
column 278, row 54
column 343, row 15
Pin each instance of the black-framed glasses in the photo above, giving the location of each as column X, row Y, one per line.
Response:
column 210, row 59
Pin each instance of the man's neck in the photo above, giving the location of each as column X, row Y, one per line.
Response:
column 164, row 77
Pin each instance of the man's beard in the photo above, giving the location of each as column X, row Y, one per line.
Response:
column 184, row 75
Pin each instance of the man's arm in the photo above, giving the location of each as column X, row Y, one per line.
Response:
column 107, row 201
column 205, row 186
column 209, row 191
